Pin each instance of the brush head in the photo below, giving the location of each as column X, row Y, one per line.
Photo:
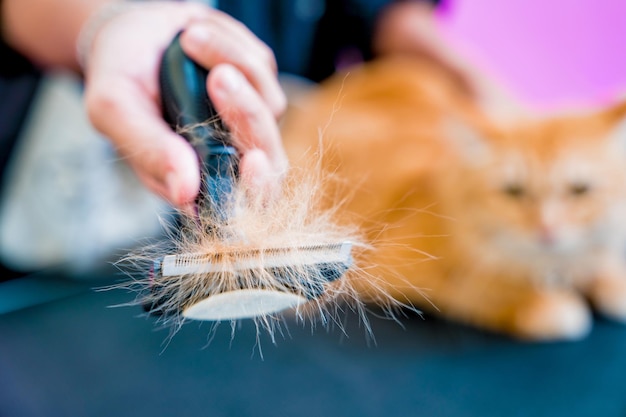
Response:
column 246, row 259
column 263, row 281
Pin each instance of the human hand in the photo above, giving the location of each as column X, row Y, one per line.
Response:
column 122, row 94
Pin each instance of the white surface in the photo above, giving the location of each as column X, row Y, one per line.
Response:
column 242, row 304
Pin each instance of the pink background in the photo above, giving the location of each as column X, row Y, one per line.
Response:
column 551, row 52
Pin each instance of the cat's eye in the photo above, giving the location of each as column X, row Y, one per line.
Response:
column 579, row 189
column 514, row 190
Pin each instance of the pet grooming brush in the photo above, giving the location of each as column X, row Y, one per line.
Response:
column 297, row 274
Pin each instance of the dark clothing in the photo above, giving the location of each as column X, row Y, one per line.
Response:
column 18, row 83
column 311, row 38
column 307, row 36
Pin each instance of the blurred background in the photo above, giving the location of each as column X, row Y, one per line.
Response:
column 552, row 54
column 65, row 352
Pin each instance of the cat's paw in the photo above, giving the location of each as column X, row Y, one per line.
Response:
column 608, row 296
column 553, row 316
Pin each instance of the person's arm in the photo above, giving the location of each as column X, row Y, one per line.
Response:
column 121, row 87
column 46, row 31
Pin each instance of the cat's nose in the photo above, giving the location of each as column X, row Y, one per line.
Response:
column 547, row 235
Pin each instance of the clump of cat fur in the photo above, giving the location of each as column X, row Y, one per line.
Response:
column 292, row 218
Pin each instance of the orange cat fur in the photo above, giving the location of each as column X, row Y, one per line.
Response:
column 510, row 227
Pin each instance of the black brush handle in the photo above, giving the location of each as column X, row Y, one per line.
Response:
column 189, row 111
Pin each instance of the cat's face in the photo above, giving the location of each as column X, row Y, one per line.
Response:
column 548, row 188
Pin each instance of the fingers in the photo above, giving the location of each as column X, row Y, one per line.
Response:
column 222, row 39
column 254, row 130
column 164, row 161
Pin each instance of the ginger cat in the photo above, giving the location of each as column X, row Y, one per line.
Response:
column 512, row 227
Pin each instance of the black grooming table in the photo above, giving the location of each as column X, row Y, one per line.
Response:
column 75, row 356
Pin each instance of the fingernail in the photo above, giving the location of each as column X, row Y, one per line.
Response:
column 197, row 35
column 183, row 183
column 256, row 169
column 230, row 80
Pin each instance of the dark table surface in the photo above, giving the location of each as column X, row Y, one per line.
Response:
column 70, row 354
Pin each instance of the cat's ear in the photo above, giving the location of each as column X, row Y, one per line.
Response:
column 469, row 142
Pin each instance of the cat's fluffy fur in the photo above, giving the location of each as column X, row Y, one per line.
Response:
column 511, row 227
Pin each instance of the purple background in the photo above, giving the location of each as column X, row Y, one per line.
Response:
column 551, row 52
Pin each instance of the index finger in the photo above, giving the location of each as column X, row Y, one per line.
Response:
column 255, row 133
column 213, row 43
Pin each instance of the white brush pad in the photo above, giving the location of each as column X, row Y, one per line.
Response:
column 242, row 304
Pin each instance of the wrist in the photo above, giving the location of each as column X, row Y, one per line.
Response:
column 92, row 26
